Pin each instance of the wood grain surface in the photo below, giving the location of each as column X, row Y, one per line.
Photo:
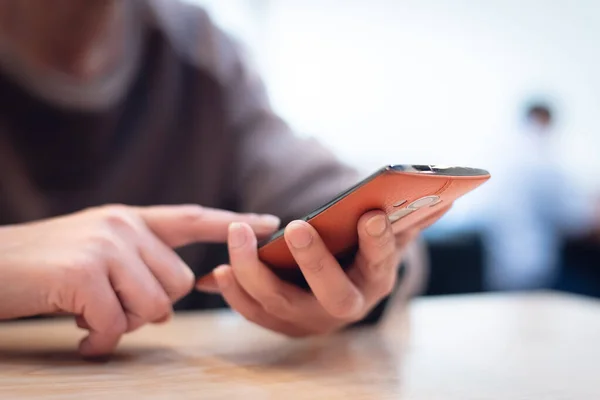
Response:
column 527, row 346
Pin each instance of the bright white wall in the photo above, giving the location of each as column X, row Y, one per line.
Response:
column 414, row 80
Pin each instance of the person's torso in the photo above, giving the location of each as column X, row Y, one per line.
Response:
column 164, row 142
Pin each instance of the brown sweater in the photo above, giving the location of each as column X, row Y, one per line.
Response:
column 189, row 124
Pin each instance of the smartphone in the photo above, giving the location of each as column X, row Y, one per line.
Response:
column 408, row 194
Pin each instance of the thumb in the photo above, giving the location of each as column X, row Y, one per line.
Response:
column 181, row 225
column 208, row 284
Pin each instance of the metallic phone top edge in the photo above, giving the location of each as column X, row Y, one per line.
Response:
column 434, row 169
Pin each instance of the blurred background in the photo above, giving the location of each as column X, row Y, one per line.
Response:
column 510, row 86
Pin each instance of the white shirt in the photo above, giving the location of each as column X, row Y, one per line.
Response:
column 523, row 211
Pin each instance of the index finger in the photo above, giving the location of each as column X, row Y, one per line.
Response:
column 181, row 225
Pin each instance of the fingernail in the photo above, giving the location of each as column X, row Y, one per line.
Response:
column 237, row 235
column 299, row 235
column 377, row 225
column 208, row 285
column 270, row 220
column 222, row 275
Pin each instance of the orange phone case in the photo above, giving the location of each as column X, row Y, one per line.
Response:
column 415, row 191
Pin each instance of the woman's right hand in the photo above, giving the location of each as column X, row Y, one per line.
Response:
column 113, row 267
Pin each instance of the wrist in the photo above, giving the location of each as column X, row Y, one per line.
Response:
column 23, row 291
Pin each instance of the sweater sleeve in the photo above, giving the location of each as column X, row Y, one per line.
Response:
column 277, row 171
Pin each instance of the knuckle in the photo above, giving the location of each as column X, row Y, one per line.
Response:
column 156, row 305
column 114, row 208
column 381, row 269
column 161, row 304
column 316, row 266
column 118, row 324
column 254, row 314
column 386, row 241
column 276, row 304
column 380, row 264
column 119, row 218
column 103, row 245
column 347, row 306
column 375, row 268
column 192, row 213
column 386, row 287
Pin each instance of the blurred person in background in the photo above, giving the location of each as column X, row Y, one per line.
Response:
column 109, row 108
column 530, row 206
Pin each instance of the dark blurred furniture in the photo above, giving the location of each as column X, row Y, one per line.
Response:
column 580, row 267
column 457, row 266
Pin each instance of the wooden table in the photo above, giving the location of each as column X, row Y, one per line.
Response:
column 532, row 346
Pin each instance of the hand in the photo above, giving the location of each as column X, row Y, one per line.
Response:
column 337, row 299
column 113, row 267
